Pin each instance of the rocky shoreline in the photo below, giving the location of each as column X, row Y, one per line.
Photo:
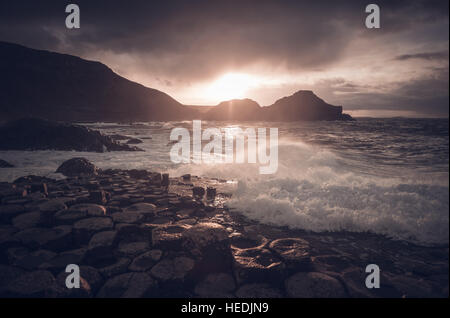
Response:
column 136, row 233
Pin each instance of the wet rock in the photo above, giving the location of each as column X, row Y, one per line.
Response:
column 176, row 268
column 138, row 174
column 77, row 167
column 133, row 233
column 7, row 275
column 119, row 266
column 129, row 285
column 52, row 206
column 132, row 249
column 33, row 284
column 293, row 251
column 27, row 220
column 198, row 192
column 97, row 197
column 217, row 285
column 89, row 209
column 145, row 261
column 128, row 217
column 61, row 260
column 34, row 259
column 85, row 228
column 40, row 134
column 134, row 141
column 56, row 239
column 210, row 245
column 168, row 237
column 257, row 265
column 9, row 211
column 147, row 210
column 210, row 193
column 165, row 180
column 5, row 164
column 258, row 291
column 314, row 285
column 101, row 246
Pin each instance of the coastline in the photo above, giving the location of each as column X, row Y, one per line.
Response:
column 132, row 236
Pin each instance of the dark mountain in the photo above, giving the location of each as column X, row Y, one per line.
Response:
column 67, row 88
column 303, row 105
column 64, row 87
column 236, row 109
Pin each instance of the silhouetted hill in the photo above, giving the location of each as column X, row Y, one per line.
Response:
column 67, row 88
column 64, row 87
column 303, row 105
column 236, row 109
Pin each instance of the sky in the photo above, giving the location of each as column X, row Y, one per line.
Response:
column 204, row 52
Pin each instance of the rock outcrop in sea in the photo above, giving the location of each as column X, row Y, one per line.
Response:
column 134, row 236
column 41, row 134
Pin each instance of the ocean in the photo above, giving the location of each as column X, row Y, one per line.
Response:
column 384, row 176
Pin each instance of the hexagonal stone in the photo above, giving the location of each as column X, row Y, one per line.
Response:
column 32, row 284
column 168, row 237
column 89, row 209
column 68, row 216
column 129, row 285
column 293, row 251
column 127, row 217
column 7, row 275
column 258, row 291
column 27, row 220
column 257, row 265
column 177, row 268
column 61, row 260
column 210, row 245
column 8, row 211
column 119, row 266
column 34, row 259
column 101, row 246
column 145, row 261
column 85, row 228
column 217, row 285
column 132, row 248
column 52, row 206
column 133, row 232
column 55, row 239
column 314, row 285
column 147, row 210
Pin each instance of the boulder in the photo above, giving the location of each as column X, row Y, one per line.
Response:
column 132, row 249
column 148, row 210
column 210, row 245
column 27, row 220
column 60, row 261
column 314, row 285
column 89, row 209
column 32, row 284
column 5, row 164
column 129, row 285
column 134, row 141
column 168, row 237
column 128, row 217
column 77, row 167
column 257, row 265
column 145, row 261
column 293, row 251
column 56, row 239
column 34, row 259
column 173, row 269
column 85, row 228
column 101, row 246
column 117, row 267
column 40, row 134
column 198, row 192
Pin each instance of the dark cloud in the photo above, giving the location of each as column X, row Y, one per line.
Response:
column 430, row 56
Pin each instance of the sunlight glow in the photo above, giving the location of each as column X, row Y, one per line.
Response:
column 230, row 86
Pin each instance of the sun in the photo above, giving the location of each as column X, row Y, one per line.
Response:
column 230, row 86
